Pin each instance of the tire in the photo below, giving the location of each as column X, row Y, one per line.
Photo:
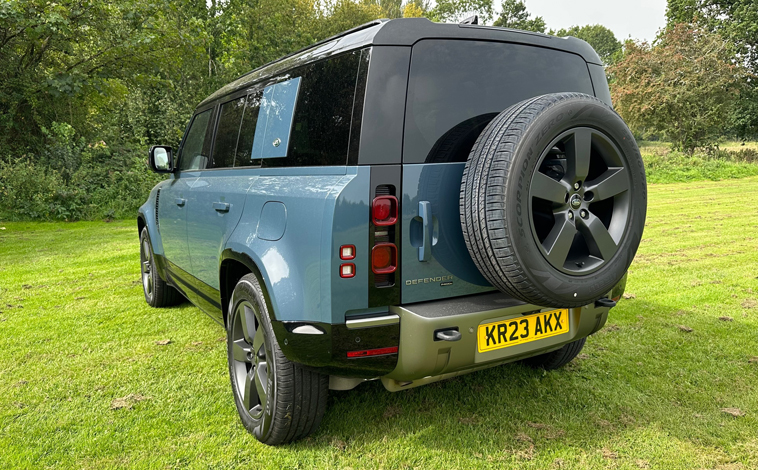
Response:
column 277, row 400
column 553, row 200
column 157, row 292
column 558, row 358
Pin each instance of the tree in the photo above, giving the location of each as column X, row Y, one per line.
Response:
column 599, row 37
column 454, row 10
column 736, row 21
column 684, row 86
column 514, row 15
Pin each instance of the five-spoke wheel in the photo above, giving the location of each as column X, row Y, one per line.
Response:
column 250, row 351
column 277, row 400
column 579, row 203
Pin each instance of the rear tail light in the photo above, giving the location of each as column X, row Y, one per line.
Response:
column 384, row 210
column 372, row 352
column 384, row 258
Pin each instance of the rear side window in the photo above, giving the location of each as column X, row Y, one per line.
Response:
column 227, row 132
column 320, row 131
column 457, row 87
column 196, row 148
column 247, row 132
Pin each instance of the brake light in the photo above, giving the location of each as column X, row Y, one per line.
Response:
column 373, row 352
column 384, row 210
column 384, row 258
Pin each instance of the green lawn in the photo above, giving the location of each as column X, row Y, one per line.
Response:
column 733, row 160
column 83, row 383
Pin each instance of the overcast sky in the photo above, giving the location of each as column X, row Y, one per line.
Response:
column 639, row 19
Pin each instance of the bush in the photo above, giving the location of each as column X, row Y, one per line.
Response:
column 107, row 183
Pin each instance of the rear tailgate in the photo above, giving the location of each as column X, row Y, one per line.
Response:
column 455, row 88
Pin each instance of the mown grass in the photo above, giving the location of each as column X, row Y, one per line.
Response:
column 76, row 336
column 731, row 160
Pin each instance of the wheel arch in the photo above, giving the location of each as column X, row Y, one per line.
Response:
column 233, row 267
column 140, row 224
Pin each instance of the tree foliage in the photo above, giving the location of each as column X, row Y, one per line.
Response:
column 684, row 86
column 598, row 36
column 515, row 15
column 737, row 22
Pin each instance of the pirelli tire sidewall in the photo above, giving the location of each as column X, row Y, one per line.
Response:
column 569, row 289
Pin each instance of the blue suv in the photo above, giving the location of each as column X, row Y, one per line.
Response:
column 406, row 201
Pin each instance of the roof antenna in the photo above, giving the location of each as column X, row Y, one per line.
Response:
column 471, row 20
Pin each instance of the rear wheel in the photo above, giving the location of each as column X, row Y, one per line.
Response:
column 157, row 292
column 558, row 358
column 277, row 400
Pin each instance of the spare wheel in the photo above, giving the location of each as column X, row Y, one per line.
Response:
column 553, row 200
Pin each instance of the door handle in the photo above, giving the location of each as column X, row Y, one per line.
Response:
column 221, row 206
column 425, row 213
column 180, row 201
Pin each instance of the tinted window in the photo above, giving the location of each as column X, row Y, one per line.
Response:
column 457, row 87
column 247, row 132
column 227, row 133
column 321, row 125
column 197, row 144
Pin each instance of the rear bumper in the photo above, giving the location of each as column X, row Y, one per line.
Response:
column 423, row 358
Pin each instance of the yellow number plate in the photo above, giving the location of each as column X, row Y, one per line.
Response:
column 522, row 330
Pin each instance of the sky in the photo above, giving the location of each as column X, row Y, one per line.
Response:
column 640, row 19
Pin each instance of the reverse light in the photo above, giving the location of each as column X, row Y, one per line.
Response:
column 372, row 352
column 347, row 252
column 384, row 258
column 384, row 210
column 347, row 270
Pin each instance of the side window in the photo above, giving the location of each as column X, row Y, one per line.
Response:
column 244, row 155
column 323, row 111
column 226, row 135
column 197, row 144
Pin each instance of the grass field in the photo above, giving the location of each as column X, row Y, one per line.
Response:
column 85, row 384
column 662, row 165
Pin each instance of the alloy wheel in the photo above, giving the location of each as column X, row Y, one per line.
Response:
column 579, row 200
column 250, row 355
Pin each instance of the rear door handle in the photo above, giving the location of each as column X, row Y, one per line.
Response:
column 221, row 206
column 425, row 213
column 180, row 202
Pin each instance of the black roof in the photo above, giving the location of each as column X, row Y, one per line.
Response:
column 405, row 32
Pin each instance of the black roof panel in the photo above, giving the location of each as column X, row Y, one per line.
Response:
column 404, row 32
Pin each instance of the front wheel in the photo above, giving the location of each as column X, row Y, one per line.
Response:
column 277, row 400
column 157, row 292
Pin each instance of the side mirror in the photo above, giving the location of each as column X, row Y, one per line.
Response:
column 161, row 159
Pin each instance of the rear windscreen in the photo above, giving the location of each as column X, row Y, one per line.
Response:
column 456, row 88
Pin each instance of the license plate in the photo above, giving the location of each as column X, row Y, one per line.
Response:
column 501, row 334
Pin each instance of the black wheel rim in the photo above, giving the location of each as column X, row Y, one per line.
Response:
column 250, row 353
column 579, row 201
column 146, row 262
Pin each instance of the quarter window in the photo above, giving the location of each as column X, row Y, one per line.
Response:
column 321, row 124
